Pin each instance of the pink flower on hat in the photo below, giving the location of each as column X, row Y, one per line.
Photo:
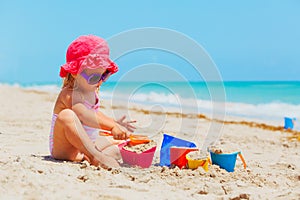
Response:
column 87, row 51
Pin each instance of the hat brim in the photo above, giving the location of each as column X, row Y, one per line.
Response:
column 95, row 61
column 76, row 67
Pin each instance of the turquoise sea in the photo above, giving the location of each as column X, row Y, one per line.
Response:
column 258, row 99
column 238, row 92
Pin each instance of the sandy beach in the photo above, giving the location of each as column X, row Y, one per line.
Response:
column 28, row 172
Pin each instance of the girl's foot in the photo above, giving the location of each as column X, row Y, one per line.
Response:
column 105, row 161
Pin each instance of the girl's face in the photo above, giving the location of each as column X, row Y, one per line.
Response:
column 91, row 79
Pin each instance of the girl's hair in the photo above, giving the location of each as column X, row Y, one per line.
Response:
column 68, row 81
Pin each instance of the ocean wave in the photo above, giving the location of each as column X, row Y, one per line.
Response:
column 272, row 110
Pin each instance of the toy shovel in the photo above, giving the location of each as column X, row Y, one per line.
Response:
column 138, row 139
column 133, row 139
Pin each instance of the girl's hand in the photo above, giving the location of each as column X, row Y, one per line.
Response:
column 119, row 133
column 126, row 124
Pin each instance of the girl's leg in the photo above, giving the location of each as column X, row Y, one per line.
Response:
column 109, row 146
column 113, row 151
column 70, row 141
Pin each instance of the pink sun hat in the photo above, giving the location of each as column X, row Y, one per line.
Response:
column 87, row 51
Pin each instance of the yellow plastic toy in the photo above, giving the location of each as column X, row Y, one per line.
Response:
column 194, row 164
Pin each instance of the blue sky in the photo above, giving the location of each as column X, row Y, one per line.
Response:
column 248, row 40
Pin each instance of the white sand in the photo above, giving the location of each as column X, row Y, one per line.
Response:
column 28, row 172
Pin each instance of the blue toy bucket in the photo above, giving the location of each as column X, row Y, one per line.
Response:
column 288, row 123
column 225, row 161
column 169, row 141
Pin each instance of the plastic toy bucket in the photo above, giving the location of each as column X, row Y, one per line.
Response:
column 143, row 159
column 178, row 155
column 169, row 141
column 288, row 123
column 226, row 161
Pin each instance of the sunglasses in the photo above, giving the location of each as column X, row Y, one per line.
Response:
column 96, row 78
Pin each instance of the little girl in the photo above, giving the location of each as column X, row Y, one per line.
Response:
column 76, row 118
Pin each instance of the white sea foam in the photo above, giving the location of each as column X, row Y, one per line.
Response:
column 272, row 110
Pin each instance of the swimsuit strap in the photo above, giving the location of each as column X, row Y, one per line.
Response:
column 92, row 106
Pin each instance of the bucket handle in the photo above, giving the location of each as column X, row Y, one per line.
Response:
column 243, row 160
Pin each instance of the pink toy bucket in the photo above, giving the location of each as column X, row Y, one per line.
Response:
column 143, row 159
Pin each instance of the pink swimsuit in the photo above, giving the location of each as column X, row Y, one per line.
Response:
column 93, row 133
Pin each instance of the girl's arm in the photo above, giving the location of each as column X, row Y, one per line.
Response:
column 93, row 119
column 98, row 120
